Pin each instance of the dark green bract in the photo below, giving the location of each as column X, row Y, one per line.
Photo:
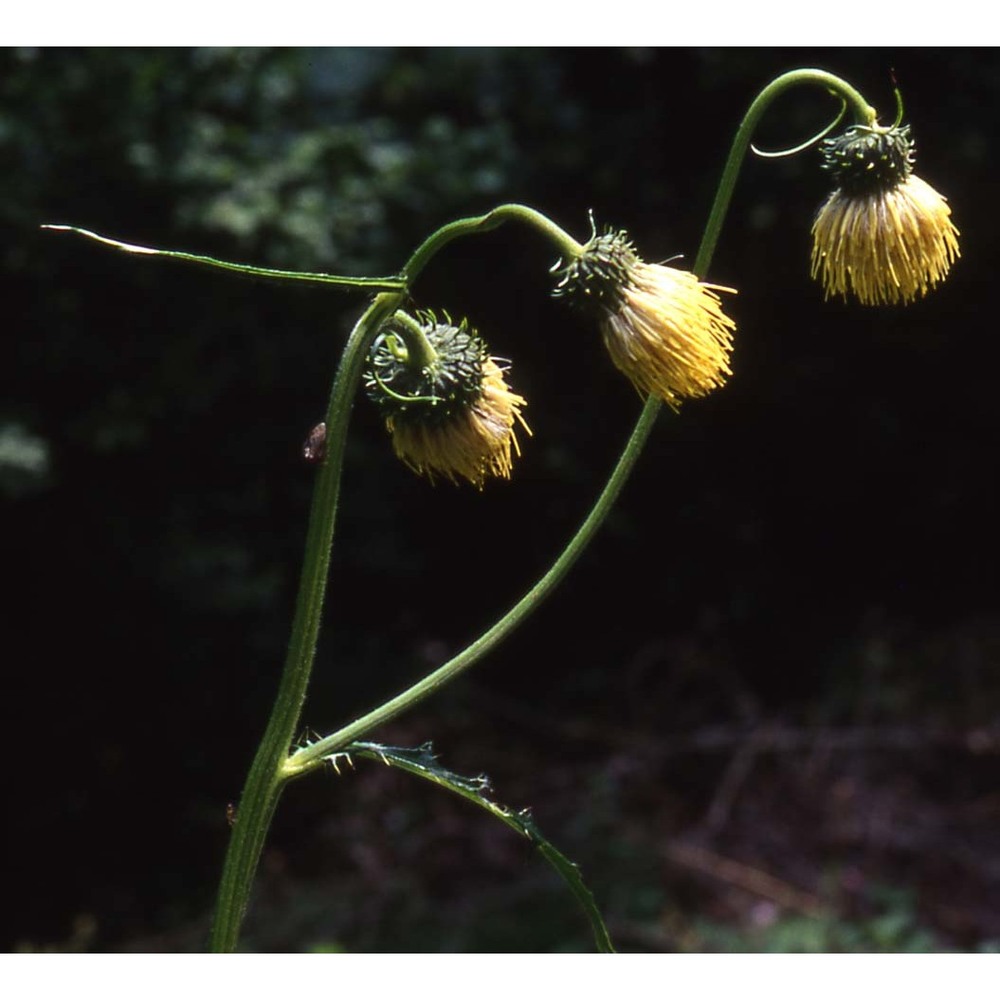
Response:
column 600, row 274
column 867, row 160
column 433, row 393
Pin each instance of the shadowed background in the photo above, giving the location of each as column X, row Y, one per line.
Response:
column 761, row 713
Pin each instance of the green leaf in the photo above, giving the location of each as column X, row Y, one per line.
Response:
column 423, row 762
column 386, row 284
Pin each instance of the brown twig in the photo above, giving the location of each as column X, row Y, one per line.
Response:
column 753, row 880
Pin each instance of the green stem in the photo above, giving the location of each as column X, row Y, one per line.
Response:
column 265, row 780
column 484, row 223
column 311, row 756
column 863, row 113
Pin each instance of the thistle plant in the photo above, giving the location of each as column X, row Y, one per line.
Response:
column 452, row 412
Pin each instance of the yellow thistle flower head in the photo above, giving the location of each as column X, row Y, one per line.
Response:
column 884, row 235
column 664, row 329
column 453, row 417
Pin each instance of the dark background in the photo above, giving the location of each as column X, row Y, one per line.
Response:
column 762, row 711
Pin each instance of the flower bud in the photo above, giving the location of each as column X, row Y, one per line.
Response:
column 664, row 329
column 452, row 416
column 884, row 235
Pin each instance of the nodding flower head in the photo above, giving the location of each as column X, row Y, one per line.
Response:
column 883, row 235
column 664, row 329
column 450, row 413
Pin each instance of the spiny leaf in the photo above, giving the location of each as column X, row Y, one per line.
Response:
column 423, row 762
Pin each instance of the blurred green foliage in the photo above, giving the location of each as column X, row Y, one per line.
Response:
column 895, row 927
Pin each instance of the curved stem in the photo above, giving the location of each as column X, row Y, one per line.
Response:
column 310, row 756
column 484, row 223
column 863, row 113
column 265, row 780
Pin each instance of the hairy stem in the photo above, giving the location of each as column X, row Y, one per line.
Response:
column 265, row 780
